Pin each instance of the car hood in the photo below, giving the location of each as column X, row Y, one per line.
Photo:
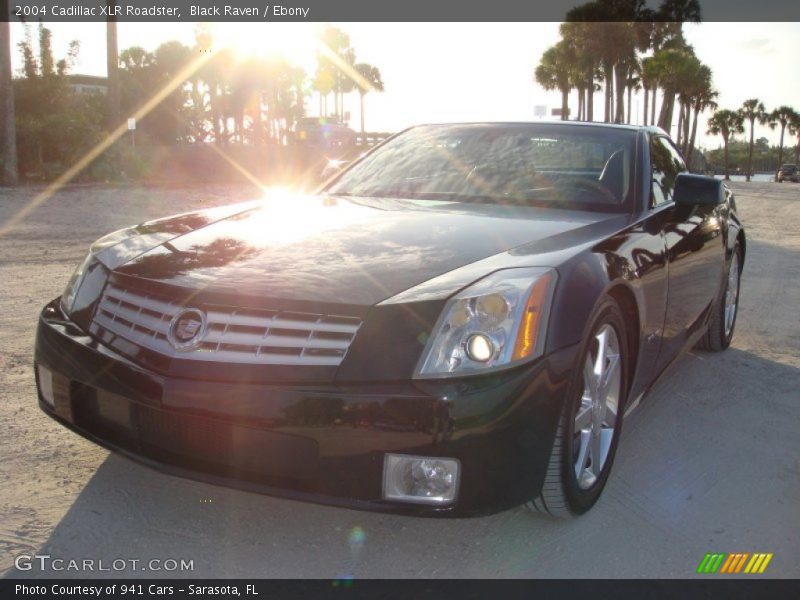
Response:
column 347, row 250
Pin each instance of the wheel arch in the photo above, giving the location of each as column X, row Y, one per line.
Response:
column 741, row 238
column 582, row 287
column 623, row 295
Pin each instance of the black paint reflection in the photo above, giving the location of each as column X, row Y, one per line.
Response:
column 167, row 261
column 347, row 251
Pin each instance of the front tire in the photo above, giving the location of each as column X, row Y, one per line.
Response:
column 591, row 422
column 722, row 321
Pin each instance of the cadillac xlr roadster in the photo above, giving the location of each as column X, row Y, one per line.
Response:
column 455, row 324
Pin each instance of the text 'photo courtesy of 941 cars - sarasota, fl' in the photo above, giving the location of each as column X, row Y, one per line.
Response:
column 455, row 324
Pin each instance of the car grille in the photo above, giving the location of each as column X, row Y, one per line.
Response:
column 253, row 336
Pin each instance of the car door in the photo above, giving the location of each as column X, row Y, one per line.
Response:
column 694, row 249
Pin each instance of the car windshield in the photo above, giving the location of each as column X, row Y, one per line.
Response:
column 537, row 164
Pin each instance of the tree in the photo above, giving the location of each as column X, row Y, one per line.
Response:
column 633, row 83
column 783, row 115
column 752, row 110
column 726, row 123
column 696, row 83
column 611, row 24
column 370, row 81
column 704, row 100
column 135, row 77
column 8, row 130
column 323, row 85
column 676, row 66
column 794, row 129
column 586, row 68
column 169, row 59
column 650, row 85
column 337, row 58
column 678, row 11
column 553, row 73
column 44, row 106
column 608, row 36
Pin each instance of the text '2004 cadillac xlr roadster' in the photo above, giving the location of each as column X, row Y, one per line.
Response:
column 455, row 324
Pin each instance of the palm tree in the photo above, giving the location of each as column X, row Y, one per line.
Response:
column 752, row 110
column 676, row 66
column 633, row 82
column 338, row 54
column 726, row 123
column 704, row 100
column 783, row 115
column 678, row 11
column 585, row 69
column 794, row 129
column 8, row 143
column 624, row 43
column 371, row 81
column 323, row 85
column 695, row 82
column 168, row 60
column 615, row 40
column 650, row 77
column 553, row 73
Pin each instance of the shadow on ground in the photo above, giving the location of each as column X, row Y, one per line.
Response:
column 709, row 462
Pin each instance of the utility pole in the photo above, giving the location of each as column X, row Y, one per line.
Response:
column 8, row 129
column 112, row 62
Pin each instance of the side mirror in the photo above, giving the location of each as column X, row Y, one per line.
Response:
column 698, row 190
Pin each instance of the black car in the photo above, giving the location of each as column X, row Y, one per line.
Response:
column 788, row 173
column 456, row 324
column 324, row 133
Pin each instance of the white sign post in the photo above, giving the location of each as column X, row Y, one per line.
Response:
column 132, row 129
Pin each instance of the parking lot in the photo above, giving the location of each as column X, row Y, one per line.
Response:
column 710, row 461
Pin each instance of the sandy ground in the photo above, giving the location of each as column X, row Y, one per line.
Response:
column 709, row 462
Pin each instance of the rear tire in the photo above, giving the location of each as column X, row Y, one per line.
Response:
column 722, row 322
column 591, row 421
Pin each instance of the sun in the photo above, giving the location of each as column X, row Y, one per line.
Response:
column 295, row 42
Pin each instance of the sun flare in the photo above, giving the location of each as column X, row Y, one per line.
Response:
column 296, row 42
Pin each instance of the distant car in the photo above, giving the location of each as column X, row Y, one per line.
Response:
column 788, row 173
column 324, row 133
column 456, row 324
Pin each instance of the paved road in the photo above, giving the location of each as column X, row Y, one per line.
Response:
column 709, row 462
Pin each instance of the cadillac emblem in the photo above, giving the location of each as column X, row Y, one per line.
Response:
column 187, row 329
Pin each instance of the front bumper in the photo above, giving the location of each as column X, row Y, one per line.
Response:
column 323, row 443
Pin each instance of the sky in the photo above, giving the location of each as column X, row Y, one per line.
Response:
column 440, row 72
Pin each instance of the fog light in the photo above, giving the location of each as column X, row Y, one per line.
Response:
column 428, row 480
column 46, row 385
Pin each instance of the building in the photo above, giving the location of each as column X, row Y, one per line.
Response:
column 87, row 84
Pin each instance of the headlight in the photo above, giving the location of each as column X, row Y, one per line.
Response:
column 71, row 291
column 495, row 323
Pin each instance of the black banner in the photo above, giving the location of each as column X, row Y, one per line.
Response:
column 360, row 10
column 405, row 589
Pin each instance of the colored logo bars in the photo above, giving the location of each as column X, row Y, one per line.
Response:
column 734, row 563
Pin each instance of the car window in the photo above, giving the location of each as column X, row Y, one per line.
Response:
column 547, row 164
column 667, row 163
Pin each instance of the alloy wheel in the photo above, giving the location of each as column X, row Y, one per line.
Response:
column 732, row 295
column 596, row 417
